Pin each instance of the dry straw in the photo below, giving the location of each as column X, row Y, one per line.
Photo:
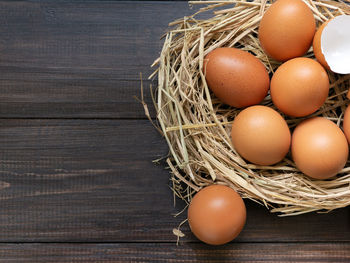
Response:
column 197, row 126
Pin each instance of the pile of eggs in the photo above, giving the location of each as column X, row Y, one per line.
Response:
column 298, row 88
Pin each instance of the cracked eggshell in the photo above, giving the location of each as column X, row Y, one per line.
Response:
column 316, row 45
column 335, row 44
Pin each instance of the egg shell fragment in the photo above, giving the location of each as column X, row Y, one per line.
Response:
column 316, row 45
column 335, row 44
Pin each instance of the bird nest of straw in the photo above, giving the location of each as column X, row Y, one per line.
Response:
column 196, row 125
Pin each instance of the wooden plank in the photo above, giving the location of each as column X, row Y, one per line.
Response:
column 89, row 100
column 94, row 180
column 76, row 180
column 79, row 59
column 262, row 226
column 164, row 252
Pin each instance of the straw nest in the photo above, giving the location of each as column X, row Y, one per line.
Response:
column 197, row 126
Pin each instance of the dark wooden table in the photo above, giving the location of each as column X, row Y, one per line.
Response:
column 77, row 179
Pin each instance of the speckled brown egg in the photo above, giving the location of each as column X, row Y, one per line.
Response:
column 319, row 148
column 216, row 214
column 260, row 135
column 236, row 77
column 287, row 29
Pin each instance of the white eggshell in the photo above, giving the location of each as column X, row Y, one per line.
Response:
column 335, row 44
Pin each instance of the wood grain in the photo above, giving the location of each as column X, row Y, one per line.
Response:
column 164, row 252
column 82, row 180
column 74, row 59
column 94, row 180
column 77, row 182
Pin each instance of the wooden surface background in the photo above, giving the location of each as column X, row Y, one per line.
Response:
column 77, row 182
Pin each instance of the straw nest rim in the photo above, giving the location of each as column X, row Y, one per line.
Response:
column 196, row 125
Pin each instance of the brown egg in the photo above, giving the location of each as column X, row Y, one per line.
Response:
column 216, row 214
column 346, row 123
column 316, row 44
column 260, row 135
column 236, row 77
column 287, row 29
column 299, row 87
column 319, row 148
